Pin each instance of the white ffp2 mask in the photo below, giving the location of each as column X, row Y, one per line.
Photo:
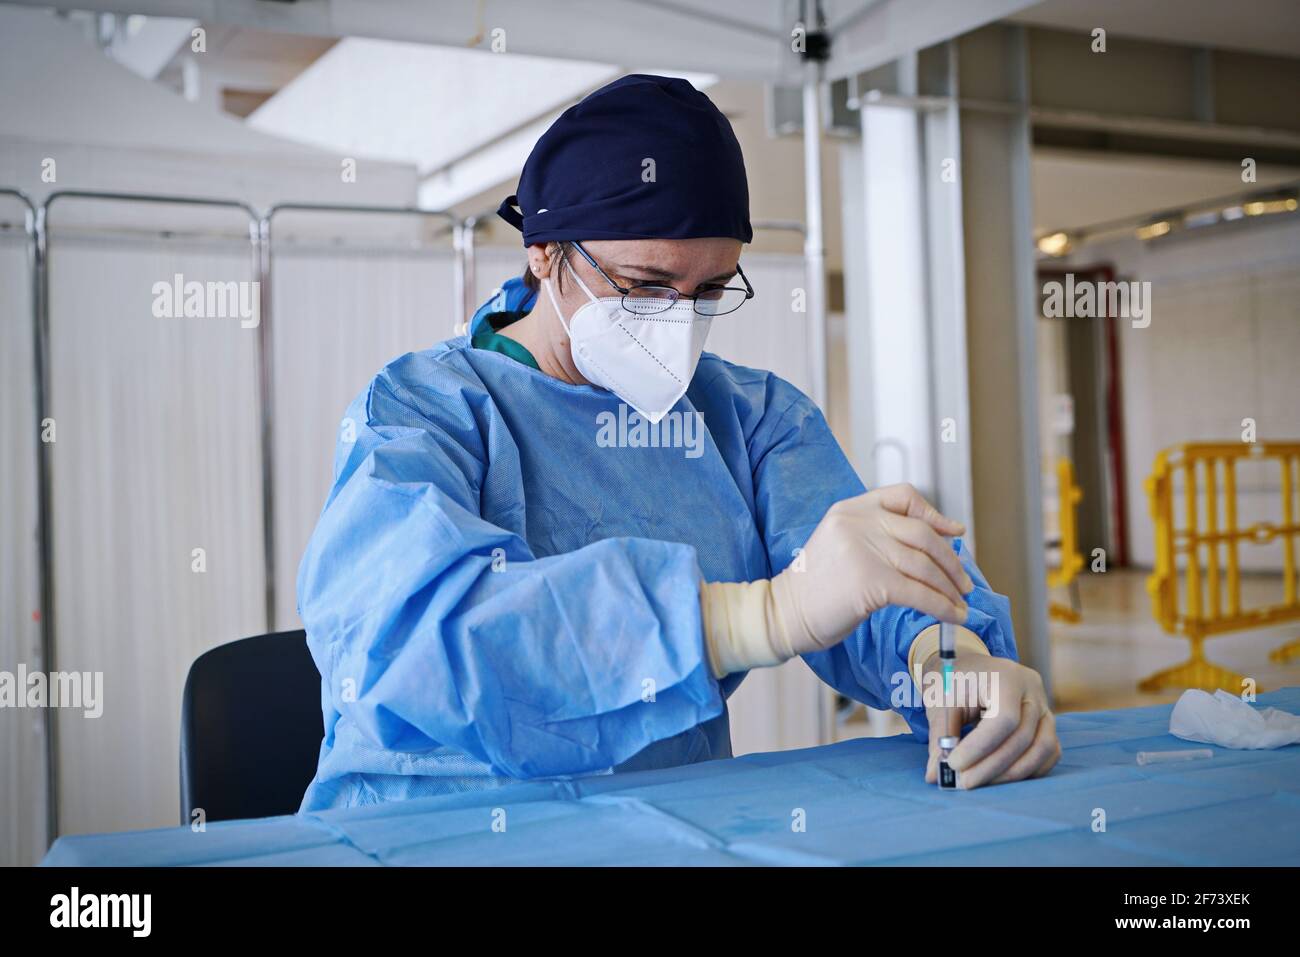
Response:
column 647, row 361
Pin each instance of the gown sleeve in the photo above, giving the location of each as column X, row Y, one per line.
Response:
column 432, row 626
column 799, row 473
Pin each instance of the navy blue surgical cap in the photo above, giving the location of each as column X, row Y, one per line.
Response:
column 645, row 157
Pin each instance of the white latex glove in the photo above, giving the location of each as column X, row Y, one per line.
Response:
column 882, row 548
column 1016, row 734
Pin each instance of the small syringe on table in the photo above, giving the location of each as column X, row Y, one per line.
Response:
column 947, row 662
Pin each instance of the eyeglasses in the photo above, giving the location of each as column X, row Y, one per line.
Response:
column 647, row 300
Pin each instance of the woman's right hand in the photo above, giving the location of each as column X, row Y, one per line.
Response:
column 886, row 547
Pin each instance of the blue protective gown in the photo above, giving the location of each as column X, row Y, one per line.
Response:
column 491, row 594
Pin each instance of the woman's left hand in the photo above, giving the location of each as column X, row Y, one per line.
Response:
column 1016, row 734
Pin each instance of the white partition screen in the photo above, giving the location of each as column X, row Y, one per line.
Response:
column 22, row 735
column 784, row 707
column 771, row 330
column 156, row 482
column 338, row 316
column 493, row 265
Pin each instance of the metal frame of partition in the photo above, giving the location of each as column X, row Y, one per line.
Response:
column 49, row 632
column 813, row 261
column 466, row 245
column 33, row 227
column 814, row 269
column 266, row 354
column 37, row 220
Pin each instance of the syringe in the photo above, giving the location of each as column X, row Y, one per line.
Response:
column 947, row 661
column 947, row 656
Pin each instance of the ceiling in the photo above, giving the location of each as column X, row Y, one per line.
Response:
column 1262, row 26
column 1072, row 190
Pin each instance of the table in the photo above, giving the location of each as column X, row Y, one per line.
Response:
column 859, row 802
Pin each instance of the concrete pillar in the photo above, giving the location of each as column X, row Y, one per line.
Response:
column 1001, row 312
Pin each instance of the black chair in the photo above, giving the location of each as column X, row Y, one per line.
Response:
column 251, row 728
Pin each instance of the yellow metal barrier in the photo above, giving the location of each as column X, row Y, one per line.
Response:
column 1068, row 495
column 1212, row 590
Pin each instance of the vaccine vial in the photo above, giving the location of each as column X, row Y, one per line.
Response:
column 947, row 776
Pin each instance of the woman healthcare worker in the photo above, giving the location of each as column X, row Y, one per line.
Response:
column 514, row 577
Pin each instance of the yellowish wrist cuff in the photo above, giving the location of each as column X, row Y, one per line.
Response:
column 927, row 643
column 738, row 623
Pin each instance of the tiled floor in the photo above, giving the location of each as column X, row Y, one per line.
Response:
column 1097, row 663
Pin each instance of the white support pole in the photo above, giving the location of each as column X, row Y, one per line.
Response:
column 462, row 238
column 950, row 381
column 896, row 298
column 857, row 320
column 814, row 249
